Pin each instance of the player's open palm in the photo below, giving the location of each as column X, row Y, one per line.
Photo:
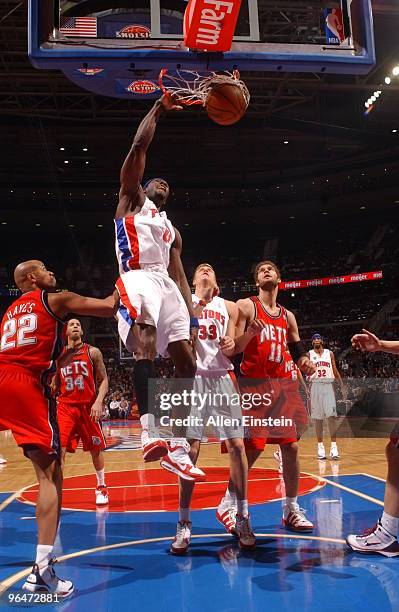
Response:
column 366, row 341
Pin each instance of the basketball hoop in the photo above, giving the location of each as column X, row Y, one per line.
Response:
column 190, row 87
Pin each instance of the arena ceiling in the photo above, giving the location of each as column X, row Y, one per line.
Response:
column 303, row 144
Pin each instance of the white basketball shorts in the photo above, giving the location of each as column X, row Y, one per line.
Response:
column 152, row 298
column 216, row 411
column 322, row 401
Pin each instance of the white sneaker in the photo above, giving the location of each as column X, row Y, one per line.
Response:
column 226, row 515
column 278, row 458
column 246, row 536
column 3, row 460
column 46, row 581
column 102, row 496
column 182, row 538
column 334, row 454
column 153, row 448
column 296, row 521
column 179, row 462
column 321, row 452
column 375, row 540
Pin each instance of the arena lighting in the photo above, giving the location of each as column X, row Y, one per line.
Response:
column 285, row 141
column 66, row 161
column 62, row 148
column 395, row 71
column 387, row 80
column 84, row 148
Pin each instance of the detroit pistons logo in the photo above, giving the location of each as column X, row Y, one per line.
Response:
column 134, row 31
column 142, row 87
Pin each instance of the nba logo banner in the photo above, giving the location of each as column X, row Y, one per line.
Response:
column 334, row 26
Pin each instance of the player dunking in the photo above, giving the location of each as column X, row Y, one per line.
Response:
column 82, row 382
column 322, row 396
column 31, row 341
column 265, row 332
column 156, row 313
column 217, row 318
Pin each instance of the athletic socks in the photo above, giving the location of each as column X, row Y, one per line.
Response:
column 390, row 524
column 100, row 477
column 229, row 499
column 291, row 503
column 44, row 553
column 242, row 507
column 184, row 515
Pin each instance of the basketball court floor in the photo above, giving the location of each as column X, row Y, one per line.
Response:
column 118, row 556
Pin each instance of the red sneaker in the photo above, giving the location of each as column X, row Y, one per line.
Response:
column 179, row 462
column 154, row 449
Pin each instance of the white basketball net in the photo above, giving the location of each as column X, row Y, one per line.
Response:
column 190, row 87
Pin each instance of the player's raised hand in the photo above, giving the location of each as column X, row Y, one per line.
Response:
column 255, row 327
column 227, row 345
column 170, row 102
column 306, row 366
column 366, row 341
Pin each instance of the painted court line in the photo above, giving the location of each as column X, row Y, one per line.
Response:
column 8, row 582
column 374, row 500
column 161, row 484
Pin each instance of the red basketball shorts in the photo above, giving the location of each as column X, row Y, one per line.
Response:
column 76, row 424
column 28, row 410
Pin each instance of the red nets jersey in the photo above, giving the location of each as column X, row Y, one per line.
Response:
column 31, row 335
column 288, row 368
column 78, row 378
column 264, row 354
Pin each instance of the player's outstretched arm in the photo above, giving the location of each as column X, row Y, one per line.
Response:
column 367, row 341
column 296, row 347
column 131, row 194
column 65, row 302
column 102, row 383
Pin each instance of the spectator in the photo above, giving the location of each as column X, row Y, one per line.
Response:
column 123, row 408
column 114, row 406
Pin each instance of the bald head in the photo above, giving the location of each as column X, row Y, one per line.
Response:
column 32, row 274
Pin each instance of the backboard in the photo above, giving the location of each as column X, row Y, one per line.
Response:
column 117, row 47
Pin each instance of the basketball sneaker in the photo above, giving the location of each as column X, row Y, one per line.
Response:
column 321, row 452
column 46, row 581
column 246, row 537
column 182, row 538
column 153, row 448
column 375, row 540
column 334, row 454
column 3, row 460
column 278, row 458
column 102, row 495
column 226, row 515
column 179, row 462
column 295, row 520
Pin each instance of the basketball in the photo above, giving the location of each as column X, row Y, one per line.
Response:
column 226, row 103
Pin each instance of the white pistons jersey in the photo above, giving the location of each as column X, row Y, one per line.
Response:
column 324, row 372
column 213, row 323
column 143, row 241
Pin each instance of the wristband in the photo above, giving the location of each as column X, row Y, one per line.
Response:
column 297, row 350
column 194, row 322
